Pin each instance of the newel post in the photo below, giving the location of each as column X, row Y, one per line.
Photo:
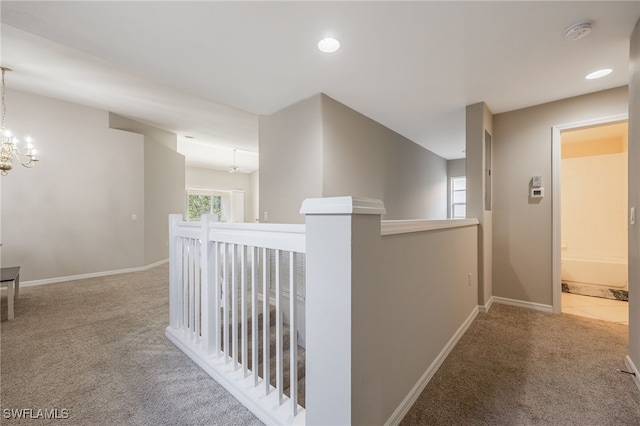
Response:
column 174, row 271
column 207, row 280
column 343, row 381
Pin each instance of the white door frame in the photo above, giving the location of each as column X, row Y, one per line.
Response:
column 556, row 161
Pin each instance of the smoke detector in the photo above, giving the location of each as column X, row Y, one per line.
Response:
column 577, row 31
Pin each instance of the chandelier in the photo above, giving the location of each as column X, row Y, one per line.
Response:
column 9, row 149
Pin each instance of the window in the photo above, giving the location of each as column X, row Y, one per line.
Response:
column 226, row 205
column 459, row 197
column 200, row 204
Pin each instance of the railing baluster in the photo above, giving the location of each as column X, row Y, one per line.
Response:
column 293, row 333
column 185, row 286
column 254, row 313
column 225, row 294
column 217, row 305
column 207, row 296
column 243, row 302
column 207, row 332
column 266, row 271
column 234, row 304
column 279, row 367
column 196, row 286
column 192, row 272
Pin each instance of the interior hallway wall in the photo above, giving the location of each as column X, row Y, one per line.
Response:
column 363, row 158
column 479, row 131
column 522, row 232
column 290, row 154
column 71, row 214
column 164, row 177
column 634, row 198
column 322, row 148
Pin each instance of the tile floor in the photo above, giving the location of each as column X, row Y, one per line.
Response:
column 596, row 307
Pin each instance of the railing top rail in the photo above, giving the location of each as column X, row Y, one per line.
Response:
column 260, row 227
column 290, row 237
column 392, row 227
column 287, row 237
column 186, row 224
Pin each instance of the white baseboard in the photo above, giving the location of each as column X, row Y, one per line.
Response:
column 632, row 367
column 522, row 304
column 91, row 275
column 484, row 309
column 404, row 407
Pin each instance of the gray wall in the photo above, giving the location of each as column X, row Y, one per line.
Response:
column 164, row 176
column 72, row 213
column 456, row 168
column 164, row 183
column 422, row 311
column 366, row 159
column 322, row 148
column 634, row 198
column 290, row 147
column 522, row 261
column 479, row 122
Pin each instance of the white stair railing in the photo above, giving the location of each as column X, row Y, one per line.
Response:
column 223, row 291
column 355, row 281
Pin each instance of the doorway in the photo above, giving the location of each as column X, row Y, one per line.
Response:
column 590, row 219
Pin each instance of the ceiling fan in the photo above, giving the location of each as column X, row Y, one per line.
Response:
column 234, row 168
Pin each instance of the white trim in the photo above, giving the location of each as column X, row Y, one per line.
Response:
column 523, row 304
column 391, row 227
column 342, row 205
column 56, row 280
column 406, row 404
column 484, row 309
column 632, row 367
column 556, row 161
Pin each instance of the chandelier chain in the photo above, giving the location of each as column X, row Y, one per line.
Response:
column 4, row 108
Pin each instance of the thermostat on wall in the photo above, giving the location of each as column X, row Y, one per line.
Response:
column 537, row 192
column 536, row 181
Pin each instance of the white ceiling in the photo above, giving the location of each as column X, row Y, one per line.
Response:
column 207, row 69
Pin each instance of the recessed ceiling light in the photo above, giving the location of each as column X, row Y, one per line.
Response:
column 328, row 45
column 598, row 74
column 189, row 137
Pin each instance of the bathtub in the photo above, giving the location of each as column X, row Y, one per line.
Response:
column 599, row 273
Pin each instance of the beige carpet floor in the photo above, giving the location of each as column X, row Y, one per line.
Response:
column 96, row 348
column 516, row 366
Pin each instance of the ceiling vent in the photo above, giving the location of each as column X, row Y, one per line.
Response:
column 577, row 31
